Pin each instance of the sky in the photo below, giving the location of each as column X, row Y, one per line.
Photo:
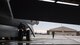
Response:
column 42, row 27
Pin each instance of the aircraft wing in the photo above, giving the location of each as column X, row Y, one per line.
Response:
column 35, row 10
column 46, row 11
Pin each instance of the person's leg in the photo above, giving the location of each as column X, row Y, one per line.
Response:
column 20, row 35
column 28, row 35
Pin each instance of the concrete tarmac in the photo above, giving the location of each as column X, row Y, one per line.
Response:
column 46, row 40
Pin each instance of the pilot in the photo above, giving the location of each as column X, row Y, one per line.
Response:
column 21, row 28
column 23, row 32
